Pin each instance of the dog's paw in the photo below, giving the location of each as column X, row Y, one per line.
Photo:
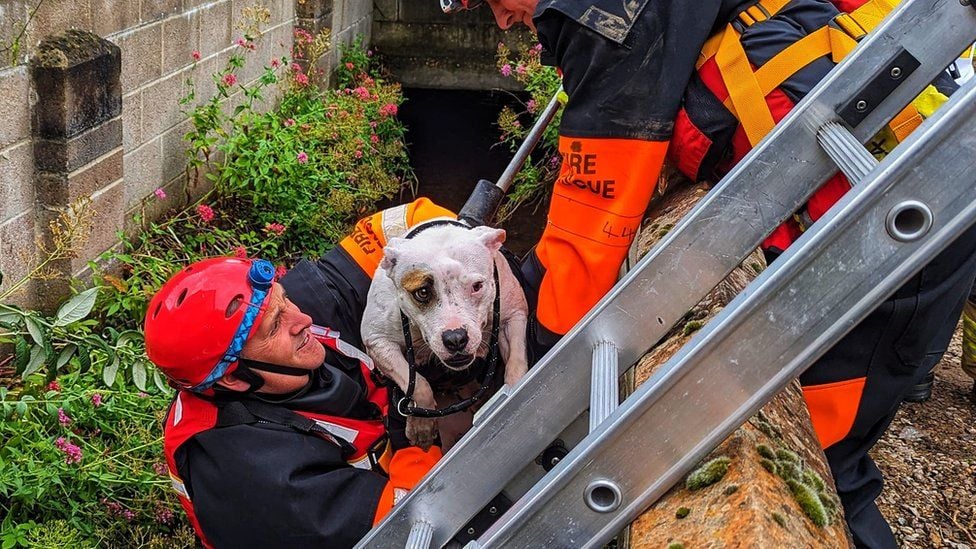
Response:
column 422, row 431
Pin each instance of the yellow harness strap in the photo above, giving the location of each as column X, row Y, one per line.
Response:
column 746, row 96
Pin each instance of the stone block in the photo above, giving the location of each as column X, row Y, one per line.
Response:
column 151, row 10
column 173, row 151
column 215, row 28
column 110, row 216
column 141, row 58
column 54, row 17
column 16, row 172
column 58, row 189
column 18, row 254
column 418, row 39
column 15, row 105
column 76, row 77
column 67, row 155
column 14, row 17
column 180, row 39
column 313, row 9
column 143, row 170
column 161, row 105
column 131, row 120
column 114, row 16
column 426, row 12
column 386, row 10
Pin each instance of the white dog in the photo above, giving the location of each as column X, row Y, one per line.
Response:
column 441, row 278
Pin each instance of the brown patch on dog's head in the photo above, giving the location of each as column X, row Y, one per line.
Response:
column 419, row 284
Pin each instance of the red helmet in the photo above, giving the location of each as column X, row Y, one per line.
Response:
column 197, row 323
column 451, row 6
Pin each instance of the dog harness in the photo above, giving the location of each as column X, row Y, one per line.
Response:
column 404, row 401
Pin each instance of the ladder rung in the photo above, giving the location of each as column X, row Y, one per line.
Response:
column 846, row 151
column 604, row 390
column 420, row 536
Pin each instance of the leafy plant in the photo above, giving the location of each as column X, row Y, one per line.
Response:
column 541, row 82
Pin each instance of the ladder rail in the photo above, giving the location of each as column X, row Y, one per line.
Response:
column 694, row 257
column 793, row 312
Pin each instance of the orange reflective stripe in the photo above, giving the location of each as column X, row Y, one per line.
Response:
column 365, row 244
column 744, row 91
column 407, row 467
column 833, row 407
column 596, row 209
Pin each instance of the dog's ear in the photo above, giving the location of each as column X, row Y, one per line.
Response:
column 390, row 254
column 491, row 237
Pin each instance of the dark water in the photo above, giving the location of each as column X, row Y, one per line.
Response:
column 453, row 142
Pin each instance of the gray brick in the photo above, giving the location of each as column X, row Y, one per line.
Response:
column 151, row 10
column 173, row 153
column 18, row 255
column 54, row 17
column 141, row 56
column 180, row 39
column 15, row 105
column 161, row 105
column 113, row 16
column 386, row 10
column 132, row 120
column 143, row 170
column 215, row 29
column 16, row 172
column 58, row 190
column 110, row 216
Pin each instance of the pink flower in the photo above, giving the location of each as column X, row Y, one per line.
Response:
column 205, row 212
column 96, row 400
column 72, row 453
column 275, row 63
column 240, row 251
column 142, row 394
column 242, row 43
column 374, row 138
column 530, row 106
column 369, row 53
column 63, row 418
column 280, row 271
column 302, row 157
column 128, row 515
column 230, row 79
column 289, row 122
column 164, row 516
column 506, row 70
column 296, row 67
column 195, row 55
column 537, row 48
column 301, row 79
column 520, row 69
column 54, row 386
column 390, row 109
column 161, row 468
column 274, row 228
column 350, row 66
column 160, row 193
column 358, row 154
column 373, row 124
column 362, row 92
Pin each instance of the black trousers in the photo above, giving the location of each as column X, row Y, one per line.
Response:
column 894, row 347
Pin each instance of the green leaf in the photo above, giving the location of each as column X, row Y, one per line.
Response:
column 158, row 380
column 10, row 317
column 65, row 355
column 84, row 361
column 21, row 409
column 77, row 307
column 111, row 371
column 139, row 374
column 35, row 330
column 37, row 356
column 128, row 336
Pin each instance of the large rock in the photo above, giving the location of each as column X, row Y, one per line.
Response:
column 768, row 484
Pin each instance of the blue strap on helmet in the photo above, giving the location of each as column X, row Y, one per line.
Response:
column 261, row 277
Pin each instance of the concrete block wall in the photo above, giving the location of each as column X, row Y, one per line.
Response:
column 425, row 48
column 156, row 39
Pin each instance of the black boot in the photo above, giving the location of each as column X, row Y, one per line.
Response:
column 922, row 390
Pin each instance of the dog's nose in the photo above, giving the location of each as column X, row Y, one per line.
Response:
column 455, row 340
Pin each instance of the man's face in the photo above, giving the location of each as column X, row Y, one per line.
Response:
column 511, row 12
column 284, row 338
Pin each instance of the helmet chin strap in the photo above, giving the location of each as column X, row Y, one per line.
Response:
column 245, row 372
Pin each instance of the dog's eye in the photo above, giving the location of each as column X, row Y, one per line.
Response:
column 476, row 287
column 422, row 295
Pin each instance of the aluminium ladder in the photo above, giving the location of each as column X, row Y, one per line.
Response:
column 820, row 288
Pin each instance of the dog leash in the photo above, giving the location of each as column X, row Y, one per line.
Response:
column 406, row 405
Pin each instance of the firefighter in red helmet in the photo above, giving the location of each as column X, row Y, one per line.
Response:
column 278, row 434
column 654, row 79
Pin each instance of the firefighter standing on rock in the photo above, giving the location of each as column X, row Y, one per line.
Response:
column 701, row 83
